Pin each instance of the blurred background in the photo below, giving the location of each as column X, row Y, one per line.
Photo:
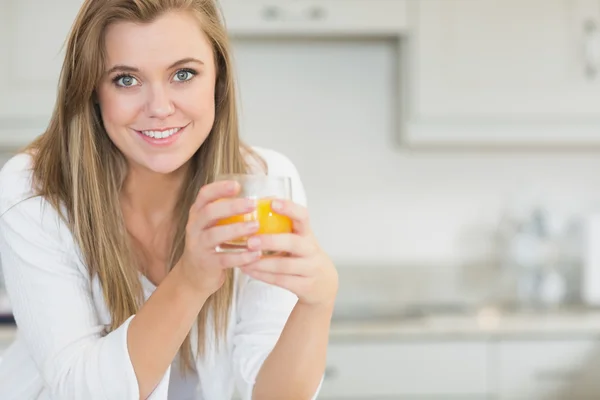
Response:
column 450, row 150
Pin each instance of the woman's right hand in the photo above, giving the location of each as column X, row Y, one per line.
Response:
column 203, row 267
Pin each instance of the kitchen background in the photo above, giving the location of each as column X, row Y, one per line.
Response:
column 450, row 152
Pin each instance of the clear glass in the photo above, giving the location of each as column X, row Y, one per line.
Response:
column 264, row 189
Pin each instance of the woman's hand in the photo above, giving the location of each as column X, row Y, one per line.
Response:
column 202, row 266
column 307, row 271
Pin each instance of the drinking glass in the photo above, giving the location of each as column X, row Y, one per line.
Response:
column 263, row 189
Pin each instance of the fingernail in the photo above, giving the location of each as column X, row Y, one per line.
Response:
column 232, row 186
column 277, row 205
column 252, row 224
column 251, row 203
column 254, row 243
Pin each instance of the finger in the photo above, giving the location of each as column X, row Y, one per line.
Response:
column 224, row 208
column 279, row 266
column 233, row 260
column 296, row 212
column 294, row 284
column 291, row 243
column 216, row 235
column 215, row 191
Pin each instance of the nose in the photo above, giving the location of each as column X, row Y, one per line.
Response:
column 160, row 105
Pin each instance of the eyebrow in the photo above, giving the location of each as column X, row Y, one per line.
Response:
column 127, row 68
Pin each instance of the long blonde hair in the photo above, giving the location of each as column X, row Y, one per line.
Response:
column 76, row 167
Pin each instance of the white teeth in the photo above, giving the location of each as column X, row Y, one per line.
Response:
column 161, row 135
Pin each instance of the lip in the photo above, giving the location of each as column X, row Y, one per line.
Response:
column 163, row 141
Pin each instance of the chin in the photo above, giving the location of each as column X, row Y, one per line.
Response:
column 165, row 165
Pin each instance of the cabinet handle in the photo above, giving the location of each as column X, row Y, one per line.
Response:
column 591, row 48
column 272, row 13
column 331, row 372
column 316, row 13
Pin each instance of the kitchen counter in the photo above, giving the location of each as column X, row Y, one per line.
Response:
column 485, row 324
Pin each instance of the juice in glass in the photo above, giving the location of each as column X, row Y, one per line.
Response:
column 264, row 189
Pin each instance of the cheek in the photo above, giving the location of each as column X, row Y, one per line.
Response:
column 118, row 110
column 199, row 103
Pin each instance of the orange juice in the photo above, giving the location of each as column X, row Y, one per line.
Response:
column 269, row 222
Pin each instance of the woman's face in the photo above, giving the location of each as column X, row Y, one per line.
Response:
column 157, row 95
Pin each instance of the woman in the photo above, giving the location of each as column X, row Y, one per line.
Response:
column 108, row 236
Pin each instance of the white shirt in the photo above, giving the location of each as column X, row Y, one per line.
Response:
column 60, row 352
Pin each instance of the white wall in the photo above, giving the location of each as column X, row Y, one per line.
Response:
column 331, row 105
column 4, row 157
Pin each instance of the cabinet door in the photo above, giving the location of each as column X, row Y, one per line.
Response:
column 526, row 70
column 406, row 370
column 541, row 370
column 32, row 34
column 315, row 17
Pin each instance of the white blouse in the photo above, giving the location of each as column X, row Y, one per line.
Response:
column 61, row 352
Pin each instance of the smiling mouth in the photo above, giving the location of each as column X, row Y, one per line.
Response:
column 161, row 134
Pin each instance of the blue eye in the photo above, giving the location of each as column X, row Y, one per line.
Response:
column 126, row 81
column 184, row 75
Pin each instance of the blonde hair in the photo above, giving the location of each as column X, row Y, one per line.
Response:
column 78, row 169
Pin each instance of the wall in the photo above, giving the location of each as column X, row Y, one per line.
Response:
column 4, row 156
column 331, row 107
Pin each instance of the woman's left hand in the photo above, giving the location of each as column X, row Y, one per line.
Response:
column 307, row 272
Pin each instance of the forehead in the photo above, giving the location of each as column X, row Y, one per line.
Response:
column 169, row 38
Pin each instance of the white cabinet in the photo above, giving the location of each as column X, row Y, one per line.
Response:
column 32, row 34
column 490, row 367
column 504, row 72
column 541, row 370
column 406, row 370
column 315, row 17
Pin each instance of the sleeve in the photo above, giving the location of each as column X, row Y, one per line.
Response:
column 263, row 309
column 55, row 314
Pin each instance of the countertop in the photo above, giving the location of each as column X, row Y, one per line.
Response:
column 485, row 324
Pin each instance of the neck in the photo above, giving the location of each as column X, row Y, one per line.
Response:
column 150, row 195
